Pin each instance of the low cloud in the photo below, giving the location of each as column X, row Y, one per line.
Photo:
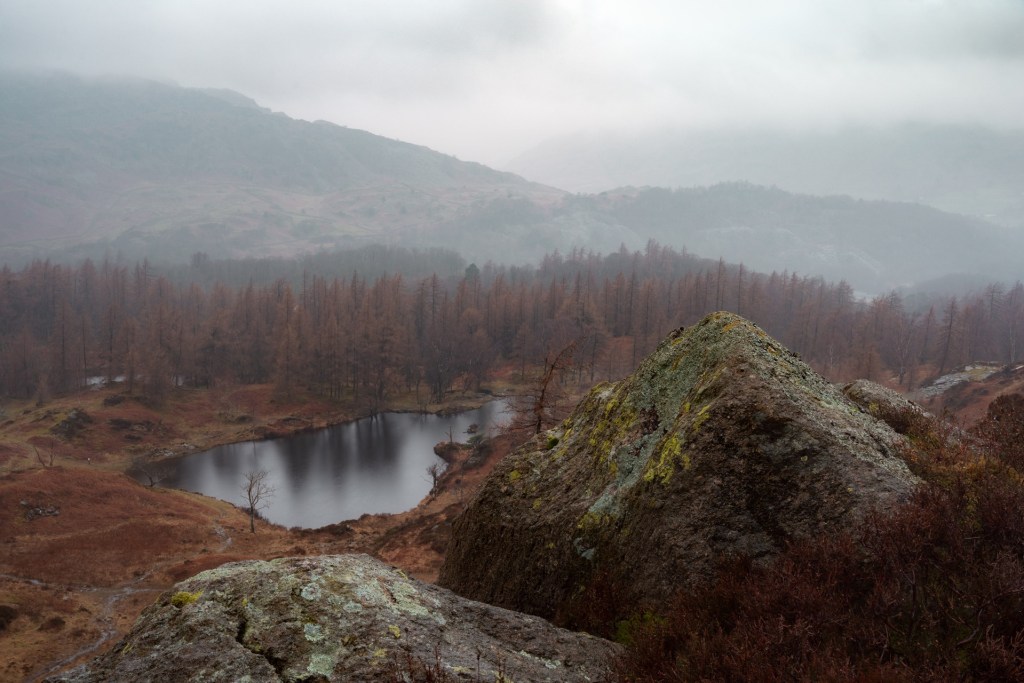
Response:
column 488, row 80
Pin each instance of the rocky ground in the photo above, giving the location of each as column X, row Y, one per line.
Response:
column 340, row 618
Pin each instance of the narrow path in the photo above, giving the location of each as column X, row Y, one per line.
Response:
column 111, row 597
column 108, row 629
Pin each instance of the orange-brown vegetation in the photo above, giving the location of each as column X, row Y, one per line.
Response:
column 368, row 341
column 932, row 591
column 85, row 547
column 969, row 401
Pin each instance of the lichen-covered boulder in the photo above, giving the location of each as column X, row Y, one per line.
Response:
column 887, row 405
column 722, row 443
column 337, row 618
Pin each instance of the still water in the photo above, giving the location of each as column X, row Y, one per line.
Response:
column 371, row 465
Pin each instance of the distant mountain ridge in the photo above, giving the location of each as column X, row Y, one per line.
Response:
column 875, row 245
column 958, row 168
column 91, row 168
column 128, row 160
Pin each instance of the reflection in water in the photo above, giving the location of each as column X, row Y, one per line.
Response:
column 376, row 464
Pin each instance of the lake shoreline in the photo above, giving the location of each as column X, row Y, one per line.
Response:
column 378, row 464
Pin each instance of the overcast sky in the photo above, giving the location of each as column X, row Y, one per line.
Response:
column 488, row 79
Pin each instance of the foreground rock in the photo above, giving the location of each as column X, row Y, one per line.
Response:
column 337, row 618
column 722, row 443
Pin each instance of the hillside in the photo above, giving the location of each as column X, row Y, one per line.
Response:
column 151, row 169
column 963, row 169
column 148, row 170
column 874, row 245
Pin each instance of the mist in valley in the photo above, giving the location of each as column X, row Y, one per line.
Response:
column 161, row 130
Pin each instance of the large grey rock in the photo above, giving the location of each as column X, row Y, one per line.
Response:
column 722, row 443
column 887, row 405
column 336, row 618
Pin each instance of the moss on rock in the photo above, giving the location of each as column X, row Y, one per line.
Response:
column 722, row 441
column 335, row 618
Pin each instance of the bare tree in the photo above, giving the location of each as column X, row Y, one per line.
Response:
column 435, row 471
column 546, row 396
column 540, row 405
column 153, row 472
column 257, row 492
column 47, row 460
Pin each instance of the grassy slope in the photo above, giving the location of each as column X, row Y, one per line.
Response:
column 76, row 580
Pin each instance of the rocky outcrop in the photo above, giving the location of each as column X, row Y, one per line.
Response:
column 722, row 443
column 885, row 404
column 337, row 618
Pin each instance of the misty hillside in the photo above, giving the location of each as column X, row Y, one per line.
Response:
column 142, row 169
column 963, row 169
column 875, row 245
column 141, row 166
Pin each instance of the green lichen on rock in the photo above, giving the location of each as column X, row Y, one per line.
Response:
column 291, row 620
column 182, row 598
column 670, row 454
column 721, row 442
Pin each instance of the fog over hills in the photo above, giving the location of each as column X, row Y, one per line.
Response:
column 139, row 166
column 142, row 169
column 972, row 170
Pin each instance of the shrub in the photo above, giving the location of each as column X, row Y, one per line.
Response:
column 931, row 591
column 1002, row 429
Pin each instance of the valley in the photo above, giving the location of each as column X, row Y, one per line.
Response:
column 102, row 546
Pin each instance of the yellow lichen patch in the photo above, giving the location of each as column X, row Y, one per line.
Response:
column 182, row 598
column 610, row 406
column 664, row 467
column 514, row 475
column 592, row 520
column 608, row 432
column 536, row 503
column 702, row 415
column 395, row 631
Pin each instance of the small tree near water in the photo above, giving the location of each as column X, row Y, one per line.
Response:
column 540, row 407
column 435, row 471
column 257, row 492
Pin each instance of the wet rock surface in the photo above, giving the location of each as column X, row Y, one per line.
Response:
column 336, row 618
column 884, row 403
column 722, row 443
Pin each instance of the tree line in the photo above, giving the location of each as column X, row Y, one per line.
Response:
column 366, row 338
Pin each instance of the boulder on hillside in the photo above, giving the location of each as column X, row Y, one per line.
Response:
column 887, row 405
column 722, row 443
column 337, row 618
